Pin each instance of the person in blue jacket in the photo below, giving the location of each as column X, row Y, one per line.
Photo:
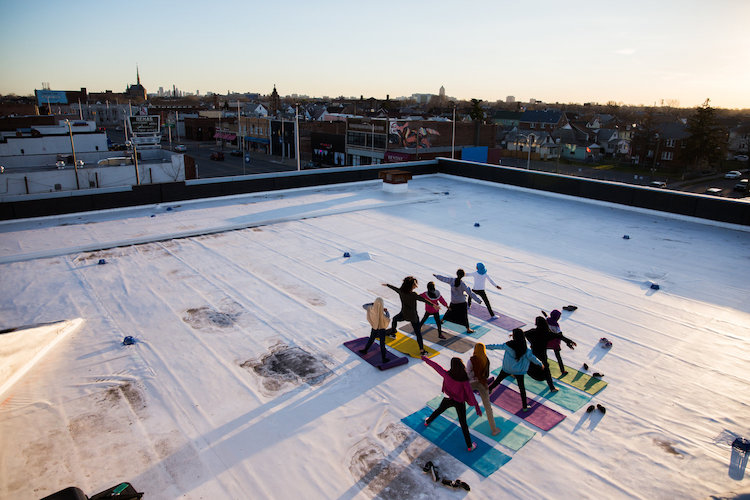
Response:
column 516, row 361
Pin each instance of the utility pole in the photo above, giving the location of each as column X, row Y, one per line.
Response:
column 72, row 147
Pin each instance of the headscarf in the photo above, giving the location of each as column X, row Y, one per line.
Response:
column 458, row 370
column 480, row 364
column 481, row 269
column 518, row 343
column 375, row 315
column 553, row 317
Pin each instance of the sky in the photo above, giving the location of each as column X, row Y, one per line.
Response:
column 680, row 52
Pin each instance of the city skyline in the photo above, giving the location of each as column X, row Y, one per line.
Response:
column 678, row 52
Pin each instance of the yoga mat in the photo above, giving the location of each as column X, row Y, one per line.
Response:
column 568, row 398
column 461, row 329
column 577, row 379
column 537, row 415
column 408, row 345
column 453, row 342
column 512, row 435
column 373, row 355
column 501, row 320
column 448, row 436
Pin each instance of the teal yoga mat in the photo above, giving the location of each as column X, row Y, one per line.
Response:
column 512, row 435
column 566, row 396
column 456, row 328
column 448, row 436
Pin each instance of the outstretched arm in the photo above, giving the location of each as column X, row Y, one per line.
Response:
column 472, row 294
column 434, row 365
column 493, row 282
column 391, row 287
column 444, row 279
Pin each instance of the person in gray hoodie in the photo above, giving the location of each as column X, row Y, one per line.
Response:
column 458, row 310
column 516, row 362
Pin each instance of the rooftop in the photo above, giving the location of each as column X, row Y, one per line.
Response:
column 238, row 385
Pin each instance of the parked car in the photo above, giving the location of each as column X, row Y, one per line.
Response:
column 217, row 155
column 658, row 184
column 741, row 157
column 247, row 158
column 733, row 174
column 714, row 191
column 235, row 152
column 79, row 163
column 60, row 164
column 180, row 148
column 742, row 185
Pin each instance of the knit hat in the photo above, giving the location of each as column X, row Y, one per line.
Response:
column 481, row 269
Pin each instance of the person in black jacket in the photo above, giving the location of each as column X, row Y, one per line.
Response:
column 538, row 338
column 408, row 311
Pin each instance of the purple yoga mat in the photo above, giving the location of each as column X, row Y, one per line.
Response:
column 373, row 355
column 501, row 320
column 537, row 415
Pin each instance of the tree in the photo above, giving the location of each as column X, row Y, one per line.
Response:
column 476, row 113
column 707, row 142
column 644, row 138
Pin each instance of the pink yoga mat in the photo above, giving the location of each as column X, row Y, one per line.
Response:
column 538, row 415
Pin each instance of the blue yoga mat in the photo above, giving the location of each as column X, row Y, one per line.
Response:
column 456, row 328
column 566, row 396
column 512, row 435
column 448, row 436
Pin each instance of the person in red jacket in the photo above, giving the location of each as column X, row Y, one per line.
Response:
column 458, row 392
column 432, row 307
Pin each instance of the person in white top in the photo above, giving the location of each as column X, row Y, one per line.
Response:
column 480, row 278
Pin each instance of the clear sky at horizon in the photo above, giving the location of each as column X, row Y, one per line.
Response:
column 635, row 52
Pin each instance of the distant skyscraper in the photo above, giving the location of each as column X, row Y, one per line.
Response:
column 510, row 98
column 442, row 91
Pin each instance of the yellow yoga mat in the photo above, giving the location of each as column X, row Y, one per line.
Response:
column 408, row 345
column 577, row 379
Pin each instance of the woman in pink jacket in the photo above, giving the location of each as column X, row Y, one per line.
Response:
column 432, row 307
column 458, row 391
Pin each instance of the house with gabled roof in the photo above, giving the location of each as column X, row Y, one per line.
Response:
column 546, row 120
column 576, row 142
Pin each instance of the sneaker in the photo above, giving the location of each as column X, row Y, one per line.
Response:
column 427, row 467
column 435, row 474
column 554, row 389
column 426, row 423
column 460, row 484
column 525, row 408
column 597, row 375
column 362, row 351
column 441, row 336
column 473, row 447
column 562, row 374
column 590, row 409
column 585, row 366
column 423, row 352
column 601, row 409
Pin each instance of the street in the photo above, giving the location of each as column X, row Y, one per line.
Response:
column 260, row 163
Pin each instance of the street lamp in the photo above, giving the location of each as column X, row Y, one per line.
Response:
column 453, row 140
column 528, row 143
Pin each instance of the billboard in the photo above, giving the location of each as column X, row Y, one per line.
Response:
column 51, row 96
column 144, row 125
